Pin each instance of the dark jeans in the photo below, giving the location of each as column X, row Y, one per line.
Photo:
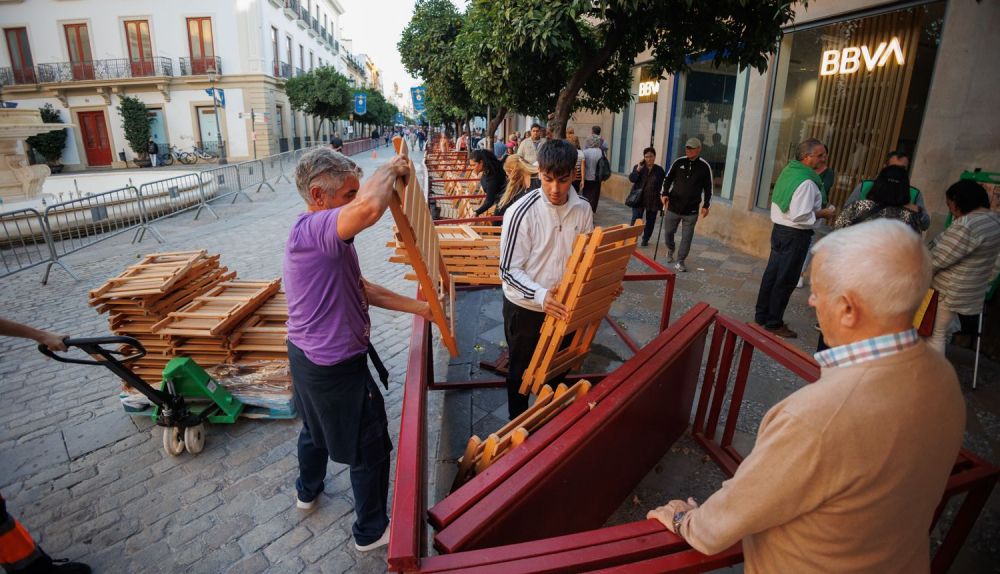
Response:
column 522, row 329
column 789, row 247
column 592, row 192
column 648, row 216
column 671, row 221
column 343, row 418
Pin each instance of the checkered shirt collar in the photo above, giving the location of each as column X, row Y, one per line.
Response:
column 867, row 350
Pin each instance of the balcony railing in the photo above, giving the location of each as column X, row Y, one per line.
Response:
column 299, row 72
column 282, row 70
column 315, row 25
column 292, row 8
column 199, row 66
column 11, row 76
column 304, row 14
column 113, row 69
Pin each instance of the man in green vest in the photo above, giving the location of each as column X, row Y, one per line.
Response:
column 796, row 203
column 899, row 158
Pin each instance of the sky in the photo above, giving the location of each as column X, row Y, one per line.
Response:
column 375, row 27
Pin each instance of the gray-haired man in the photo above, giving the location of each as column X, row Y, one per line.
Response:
column 343, row 414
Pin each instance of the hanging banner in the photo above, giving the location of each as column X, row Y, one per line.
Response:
column 400, row 119
column 360, row 103
column 418, row 94
column 218, row 95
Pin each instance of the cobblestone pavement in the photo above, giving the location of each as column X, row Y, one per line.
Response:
column 90, row 483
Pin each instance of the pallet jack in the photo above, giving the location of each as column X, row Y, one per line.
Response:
column 187, row 398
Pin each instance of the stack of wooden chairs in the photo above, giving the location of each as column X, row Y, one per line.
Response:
column 262, row 336
column 145, row 293
column 479, row 454
column 200, row 330
column 471, row 253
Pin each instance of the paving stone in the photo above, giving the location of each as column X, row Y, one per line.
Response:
column 32, row 456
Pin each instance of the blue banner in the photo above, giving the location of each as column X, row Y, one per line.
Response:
column 400, row 119
column 220, row 99
column 418, row 93
column 360, row 103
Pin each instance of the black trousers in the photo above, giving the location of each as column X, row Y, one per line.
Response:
column 789, row 247
column 522, row 328
column 648, row 217
column 592, row 192
column 343, row 418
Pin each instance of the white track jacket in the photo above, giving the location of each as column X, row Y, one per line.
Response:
column 535, row 242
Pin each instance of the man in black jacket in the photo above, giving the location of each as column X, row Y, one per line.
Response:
column 689, row 179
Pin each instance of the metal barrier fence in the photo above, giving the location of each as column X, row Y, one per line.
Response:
column 29, row 238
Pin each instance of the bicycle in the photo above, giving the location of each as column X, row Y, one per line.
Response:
column 202, row 153
column 187, row 158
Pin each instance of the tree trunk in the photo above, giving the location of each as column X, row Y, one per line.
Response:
column 564, row 105
column 492, row 127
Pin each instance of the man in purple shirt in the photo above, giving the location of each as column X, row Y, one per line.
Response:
column 343, row 414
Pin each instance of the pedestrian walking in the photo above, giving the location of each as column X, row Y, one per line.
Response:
column 796, row 202
column 535, row 242
column 329, row 330
column 153, row 151
column 592, row 154
column 688, row 184
column 528, row 149
column 644, row 198
column 846, row 473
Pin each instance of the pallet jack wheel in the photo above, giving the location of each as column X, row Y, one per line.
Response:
column 194, row 438
column 173, row 440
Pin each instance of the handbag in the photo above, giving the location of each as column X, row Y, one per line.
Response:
column 923, row 321
column 634, row 198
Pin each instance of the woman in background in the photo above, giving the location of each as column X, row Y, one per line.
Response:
column 492, row 178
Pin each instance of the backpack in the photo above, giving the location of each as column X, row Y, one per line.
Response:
column 603, row 168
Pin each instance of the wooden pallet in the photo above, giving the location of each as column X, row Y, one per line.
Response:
column 479, row 455
column 593, row 275
column 219, row 310
column 416, row 231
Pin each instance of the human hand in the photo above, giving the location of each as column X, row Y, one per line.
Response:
column 704, row 212
column 665, row 514
column 912, row 207
column 53, row 341
column 553, row 307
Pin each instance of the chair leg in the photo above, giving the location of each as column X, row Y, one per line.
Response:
column 979, row 341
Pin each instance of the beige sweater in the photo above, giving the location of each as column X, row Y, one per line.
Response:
column 846, row 473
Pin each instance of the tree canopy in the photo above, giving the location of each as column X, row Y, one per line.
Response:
column 323, row 92
column 539, row 56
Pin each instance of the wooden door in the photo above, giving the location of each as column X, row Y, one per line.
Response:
column 140, row 50
column 21, row 63
column 200, row 45
column 94, row 131
column 78, row 46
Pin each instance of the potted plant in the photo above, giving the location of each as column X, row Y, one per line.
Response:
column 135, row 123
column 50, row 145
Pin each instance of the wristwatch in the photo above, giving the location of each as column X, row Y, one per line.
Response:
column 678, row 518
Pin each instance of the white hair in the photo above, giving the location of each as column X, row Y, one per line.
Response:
column 882, row 262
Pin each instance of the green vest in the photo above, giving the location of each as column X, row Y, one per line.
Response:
column 790, row 179
column 867, row 185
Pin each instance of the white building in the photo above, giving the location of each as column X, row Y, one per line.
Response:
column 82, row 56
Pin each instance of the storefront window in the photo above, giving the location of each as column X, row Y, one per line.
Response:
column 859, row 86
column 706, row 100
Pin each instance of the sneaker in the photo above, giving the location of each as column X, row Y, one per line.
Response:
column 64, row 566
column 681, row 267
column 670, row 256
column 305, row 505
column 382, row 541
column 783, row 332
column 801, row 283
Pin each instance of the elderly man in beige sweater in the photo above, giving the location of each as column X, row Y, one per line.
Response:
column 846, row 473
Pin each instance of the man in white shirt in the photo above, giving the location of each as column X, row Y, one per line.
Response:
column 796, row 202
column 536, row 240
column 528, row 150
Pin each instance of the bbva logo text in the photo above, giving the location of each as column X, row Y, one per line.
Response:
column 850, row 59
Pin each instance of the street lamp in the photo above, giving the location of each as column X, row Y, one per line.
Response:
column 212, row 76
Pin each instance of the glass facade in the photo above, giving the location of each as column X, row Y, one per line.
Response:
column 859, row 85
column 708, row 105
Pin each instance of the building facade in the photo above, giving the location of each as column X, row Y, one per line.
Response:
column 81, row 57
column 863, row 76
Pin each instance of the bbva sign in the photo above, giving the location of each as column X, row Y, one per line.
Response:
column 849, row 60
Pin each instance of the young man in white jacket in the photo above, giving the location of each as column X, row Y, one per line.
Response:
column 535, row 242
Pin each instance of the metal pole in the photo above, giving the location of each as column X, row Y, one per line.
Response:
column 656, row 249
column 218, row 124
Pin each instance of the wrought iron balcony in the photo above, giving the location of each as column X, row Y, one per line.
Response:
column 11, row 76
column 282, row 70
column 299, row 72
column 199, row 66
column 315, row 25
column 112, row 69
column 292, row 9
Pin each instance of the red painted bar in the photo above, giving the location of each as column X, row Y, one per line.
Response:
column 739, row 387
column 452, row 506
column 406, row 532
column 448, row 197
column 531, row 502
column 625, row 337
column 721, row 384
column 686, row 562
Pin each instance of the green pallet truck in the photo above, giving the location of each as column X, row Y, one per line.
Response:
column 187, row 398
